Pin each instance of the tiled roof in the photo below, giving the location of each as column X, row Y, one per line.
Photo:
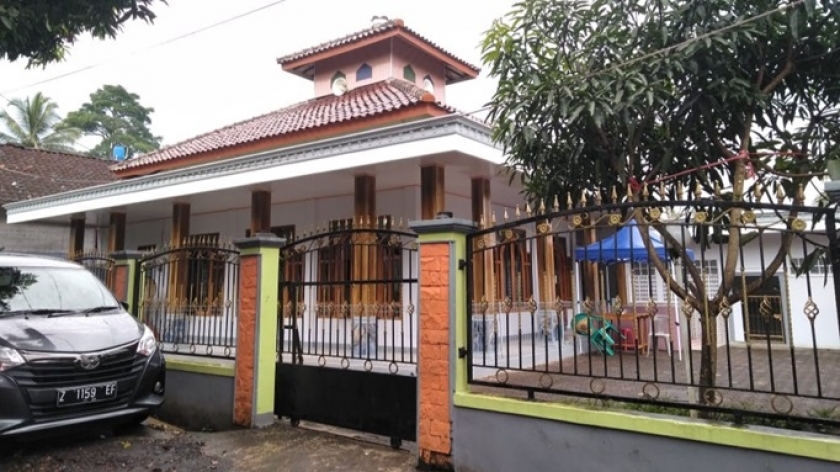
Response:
column 374, row 30
column 27, row 173
column 370, row 100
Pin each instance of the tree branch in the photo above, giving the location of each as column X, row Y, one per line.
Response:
column 786, row 71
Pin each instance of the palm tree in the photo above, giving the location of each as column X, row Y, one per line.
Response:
column 34, row 122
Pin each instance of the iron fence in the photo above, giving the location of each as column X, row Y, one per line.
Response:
column 347, row 297
column 189, row 295
column 100, row 264
column 729, row 309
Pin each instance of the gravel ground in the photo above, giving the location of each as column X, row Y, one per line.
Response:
column 154, row 447
column 159, row 447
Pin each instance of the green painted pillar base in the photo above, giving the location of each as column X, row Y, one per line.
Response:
column 256, row 336
column 125, row 284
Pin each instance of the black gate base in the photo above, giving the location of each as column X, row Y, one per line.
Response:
column 381, row 404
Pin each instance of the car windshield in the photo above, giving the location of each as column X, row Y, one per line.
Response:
column 51, row 289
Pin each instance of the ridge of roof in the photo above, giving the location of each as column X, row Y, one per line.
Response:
column 27, row 173
column 374, row 30
column 362, row 102
column 52, row 151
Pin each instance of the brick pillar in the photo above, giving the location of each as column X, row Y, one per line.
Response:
column 125, row 285
column 442, row 305
column 256, row 336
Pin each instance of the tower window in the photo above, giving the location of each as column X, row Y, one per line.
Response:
column 408, row 74
column 428, row 84
column 338, row 83
column 365, row 72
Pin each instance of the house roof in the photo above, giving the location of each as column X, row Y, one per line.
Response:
column 302, row 62
column 367, row 101
column 27, row 173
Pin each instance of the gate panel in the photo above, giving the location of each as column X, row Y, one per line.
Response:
column 101, row 265
column 346, row 349
column 188, row 297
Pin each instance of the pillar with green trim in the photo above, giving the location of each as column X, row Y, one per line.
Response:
column 256, row 337
column 442, row 304
column 124, row 283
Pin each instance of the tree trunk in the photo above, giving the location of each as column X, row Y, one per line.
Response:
column 708, row 359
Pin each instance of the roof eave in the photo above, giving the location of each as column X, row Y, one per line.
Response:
column 302, row 65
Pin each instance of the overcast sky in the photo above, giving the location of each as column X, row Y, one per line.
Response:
column 229, row 73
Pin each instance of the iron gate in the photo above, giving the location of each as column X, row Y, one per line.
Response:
column 346, row 347
column 101, row 265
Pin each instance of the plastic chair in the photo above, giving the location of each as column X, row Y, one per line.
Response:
column 661, row 329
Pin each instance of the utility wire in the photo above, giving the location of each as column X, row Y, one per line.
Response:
column 682, row 44
column 140, row 51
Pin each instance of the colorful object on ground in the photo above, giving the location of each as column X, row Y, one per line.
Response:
column 598, row 330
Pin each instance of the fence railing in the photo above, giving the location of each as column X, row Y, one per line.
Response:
column 100, row 264
column 347, row 298
column 189, row 296
column 711, row 306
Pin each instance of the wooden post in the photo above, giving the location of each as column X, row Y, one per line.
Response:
column 364, row 251
column 116, row 232
column 432, row 191
column 260, row 212
column 483, row 266
column 178, row 237
column 77, row 235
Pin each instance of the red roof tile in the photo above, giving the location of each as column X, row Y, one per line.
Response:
column 375, row 30
column 27, row 173
column 370, row 100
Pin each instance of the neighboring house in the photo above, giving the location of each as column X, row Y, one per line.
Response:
column 27, row 173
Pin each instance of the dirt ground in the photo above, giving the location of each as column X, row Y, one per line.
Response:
column 158, row 447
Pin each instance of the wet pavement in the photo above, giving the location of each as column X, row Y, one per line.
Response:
column 159, row 447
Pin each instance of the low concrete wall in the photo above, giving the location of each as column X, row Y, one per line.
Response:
column 199, row 396
column 486, row 441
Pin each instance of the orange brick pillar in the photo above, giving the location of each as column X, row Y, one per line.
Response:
column 442, row 298
column 124, row 281
column 256, row 336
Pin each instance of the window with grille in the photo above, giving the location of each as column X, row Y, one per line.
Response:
column 205, row 273
column 709, row 271
column 646, row 282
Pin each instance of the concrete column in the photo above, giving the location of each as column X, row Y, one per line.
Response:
column 443, row 314
column 256, row 338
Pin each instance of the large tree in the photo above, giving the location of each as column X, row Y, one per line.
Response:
column 34, row 122
column 614, row 93
column 40, row 30
column 116, row 116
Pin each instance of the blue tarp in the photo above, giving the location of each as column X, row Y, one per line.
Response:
column 624, row 246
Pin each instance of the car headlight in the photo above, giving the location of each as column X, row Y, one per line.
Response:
column 10, row 358
column 148, row 343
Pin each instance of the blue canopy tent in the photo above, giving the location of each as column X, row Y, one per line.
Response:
column 626, row 245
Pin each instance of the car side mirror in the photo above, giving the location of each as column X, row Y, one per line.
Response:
column 125, row 305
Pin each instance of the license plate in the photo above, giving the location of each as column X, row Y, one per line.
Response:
column 86, row 394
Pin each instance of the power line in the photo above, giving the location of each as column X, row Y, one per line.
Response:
column 140, row 51
column 682, row 44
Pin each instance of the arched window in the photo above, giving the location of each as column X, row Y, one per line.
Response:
column 408, row 74
column 365, row 72
column 428, row 84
